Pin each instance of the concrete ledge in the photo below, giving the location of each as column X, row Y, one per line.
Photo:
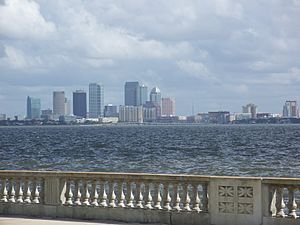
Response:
column 280, row 221
column 98, row 213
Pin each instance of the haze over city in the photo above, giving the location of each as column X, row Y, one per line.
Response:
column 216, row 55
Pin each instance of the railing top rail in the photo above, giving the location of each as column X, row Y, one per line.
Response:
column 141, row 176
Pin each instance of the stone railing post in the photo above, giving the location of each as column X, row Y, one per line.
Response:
column 55, row 190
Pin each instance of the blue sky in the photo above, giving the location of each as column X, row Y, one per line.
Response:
column 215, row 54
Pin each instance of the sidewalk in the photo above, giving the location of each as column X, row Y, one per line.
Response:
column 26, row 221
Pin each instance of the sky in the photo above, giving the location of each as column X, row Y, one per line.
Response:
column 207, row 54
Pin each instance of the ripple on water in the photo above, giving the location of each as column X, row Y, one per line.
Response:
column 248, row 150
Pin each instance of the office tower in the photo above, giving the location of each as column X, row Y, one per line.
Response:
column 168, row 106
column 33, row 108
column 132, row 93
column 96, row 100
column 155, row 95
column 155, row 98
column 79, row 103
column 59, row 103
column 110, row 111
column 290, row 109
column 131, row 114
column 67, row 107
column 143, row 94
column 250, row 108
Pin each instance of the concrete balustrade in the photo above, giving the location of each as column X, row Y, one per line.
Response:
column 151, row 198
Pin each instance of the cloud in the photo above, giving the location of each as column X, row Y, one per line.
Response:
column 22, row 19
column 290, row 77
column 194, row 69
column 16, row 59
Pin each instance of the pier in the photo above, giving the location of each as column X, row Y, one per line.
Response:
column 150, row 198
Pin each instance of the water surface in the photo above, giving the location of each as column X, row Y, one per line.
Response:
column 248, row 150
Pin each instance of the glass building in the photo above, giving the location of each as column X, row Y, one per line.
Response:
column 79, row 103
column 96, row 100
column 33, row 108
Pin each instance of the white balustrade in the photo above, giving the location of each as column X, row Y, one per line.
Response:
column 170, row 194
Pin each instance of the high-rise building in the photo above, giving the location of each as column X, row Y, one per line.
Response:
column 250, row 108
column 110, row 111
column 96, row 100
column 79, row 103
column 168, row 106
column 131, row 114
column 290, row 109
column 155, row 98
column 143, row 94
column 132, row 93
column 67, row 107
column 33, row 108
column 59, row 103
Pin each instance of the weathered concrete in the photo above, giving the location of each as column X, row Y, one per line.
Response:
column 34, row 221
column 150, row 198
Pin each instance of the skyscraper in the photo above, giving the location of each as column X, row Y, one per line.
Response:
column 168, row 106
column 250, row 108
column 155, row 98
column 96, row 100
column 79, row 103
column 33, row 108
column 132, row 93
column 290, row 109
column 58, row 103
column 143, row 94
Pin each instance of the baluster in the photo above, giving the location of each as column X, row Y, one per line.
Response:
column 94, row 194
column 157, row 196
column 196, row 199
column 187, row 199
column 139, row 195
column 35, row 194
column 292, row 205
column 176, row 198
column 129, row 196
column 3, row 191
column 104, row 195
column 166, row 197
column 69, row 194
column 27, row 191
column 280, row 203
column 12, row 191
column 20, row 192
column 112, row 195
column 148, row 196
column 205, row 198
column 77, row 193
column 86, row 193
column 121, row 195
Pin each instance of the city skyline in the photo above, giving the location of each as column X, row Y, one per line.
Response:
column 208, row 55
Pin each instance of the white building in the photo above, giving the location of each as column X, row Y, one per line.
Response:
column 290, row 109
column 131, row 114
column 250, row 108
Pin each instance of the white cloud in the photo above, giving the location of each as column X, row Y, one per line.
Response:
column 16, row 59
column 22, row 19
column 292, row 76
column 195, row 69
